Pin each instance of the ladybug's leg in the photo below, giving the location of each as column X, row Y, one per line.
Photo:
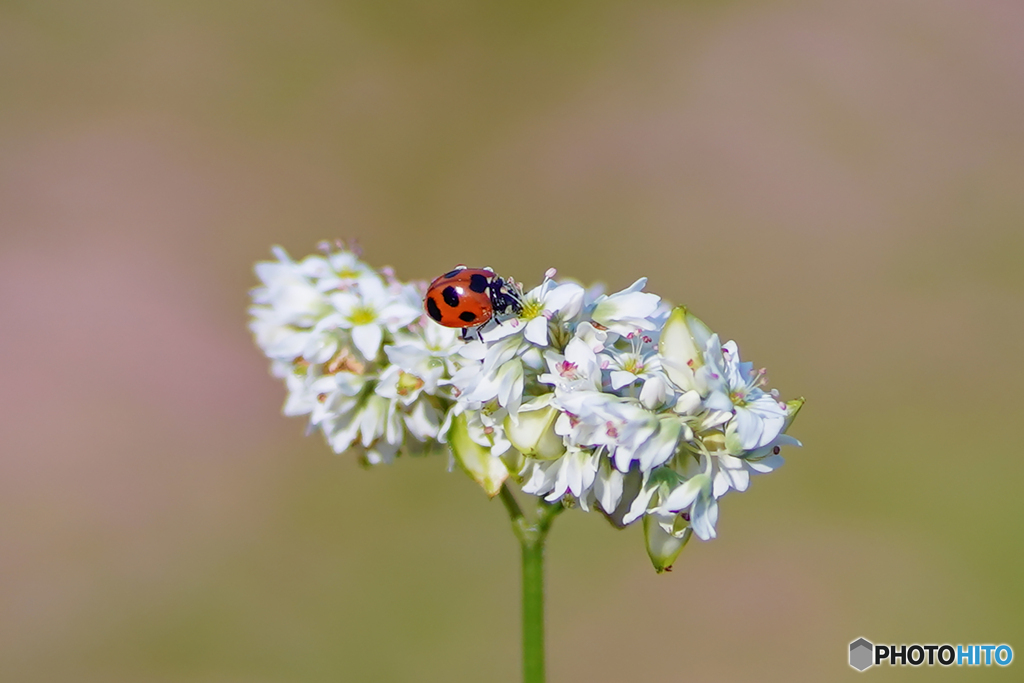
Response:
column 475, row 334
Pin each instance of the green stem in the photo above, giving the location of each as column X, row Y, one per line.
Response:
column 532, row 535
column 533, row 612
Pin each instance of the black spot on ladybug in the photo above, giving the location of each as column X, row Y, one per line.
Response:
column 451, row 273
column 433, row 310
column 467, row 316
column 477, row 282
column 451, row 297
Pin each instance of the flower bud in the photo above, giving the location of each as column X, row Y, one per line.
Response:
column 683, row 340
column 664, row 546
column 485, row 469
column 535, row 435
column 793, row 407
column 653, row 393
column 689, row 403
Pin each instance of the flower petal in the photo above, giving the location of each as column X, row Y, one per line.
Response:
column 566, row 299
column 621, row 378
column 536, row 331
column 367, row 339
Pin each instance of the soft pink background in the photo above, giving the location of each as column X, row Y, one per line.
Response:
column 836, row 185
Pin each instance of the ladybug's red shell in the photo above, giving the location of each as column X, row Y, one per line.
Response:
column 462, row 297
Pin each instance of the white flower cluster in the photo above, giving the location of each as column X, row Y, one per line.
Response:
column 611, row 402
column 355, row 351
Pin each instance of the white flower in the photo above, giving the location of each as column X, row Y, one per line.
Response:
column 655, row 393
column 423, row 347
column 369, row 309
column 285, row 307
column 693, row 492
column 395, row 384
column 626, row 367
column 343, row 270
column 278, row 340
column 608, row 487
column 732, row 466
column 758, row 417
column 540, row 305
column 594, row 338
column 423, row 421
column 574, row 472
column 577, row 370
column 425, row 356
column 288, row 291
column 312, row 317
column 627, row 430
column 492, row 373
column 628, row 310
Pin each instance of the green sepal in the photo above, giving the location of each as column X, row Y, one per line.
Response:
column 514, row 463
column 476, row 460
column 663, row 547
column 794, row 407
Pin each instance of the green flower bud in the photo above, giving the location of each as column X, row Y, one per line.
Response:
column 535, row 435
column 794, row 407
column 664, row 545
column 485, row 469
column 683, row 340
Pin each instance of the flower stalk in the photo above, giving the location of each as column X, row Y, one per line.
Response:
column 532, row 535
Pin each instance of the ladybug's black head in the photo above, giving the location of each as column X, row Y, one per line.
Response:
column 505, row 298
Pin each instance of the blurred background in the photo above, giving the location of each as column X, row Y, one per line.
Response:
column 837, row 186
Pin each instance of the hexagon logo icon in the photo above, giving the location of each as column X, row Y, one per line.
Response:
column 861, row 654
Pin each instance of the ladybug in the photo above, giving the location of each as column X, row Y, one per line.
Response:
column 469, row 297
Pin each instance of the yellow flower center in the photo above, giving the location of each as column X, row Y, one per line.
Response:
column 408, row 383
column 633, row 365
column 531, row 309
column 362, row 315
